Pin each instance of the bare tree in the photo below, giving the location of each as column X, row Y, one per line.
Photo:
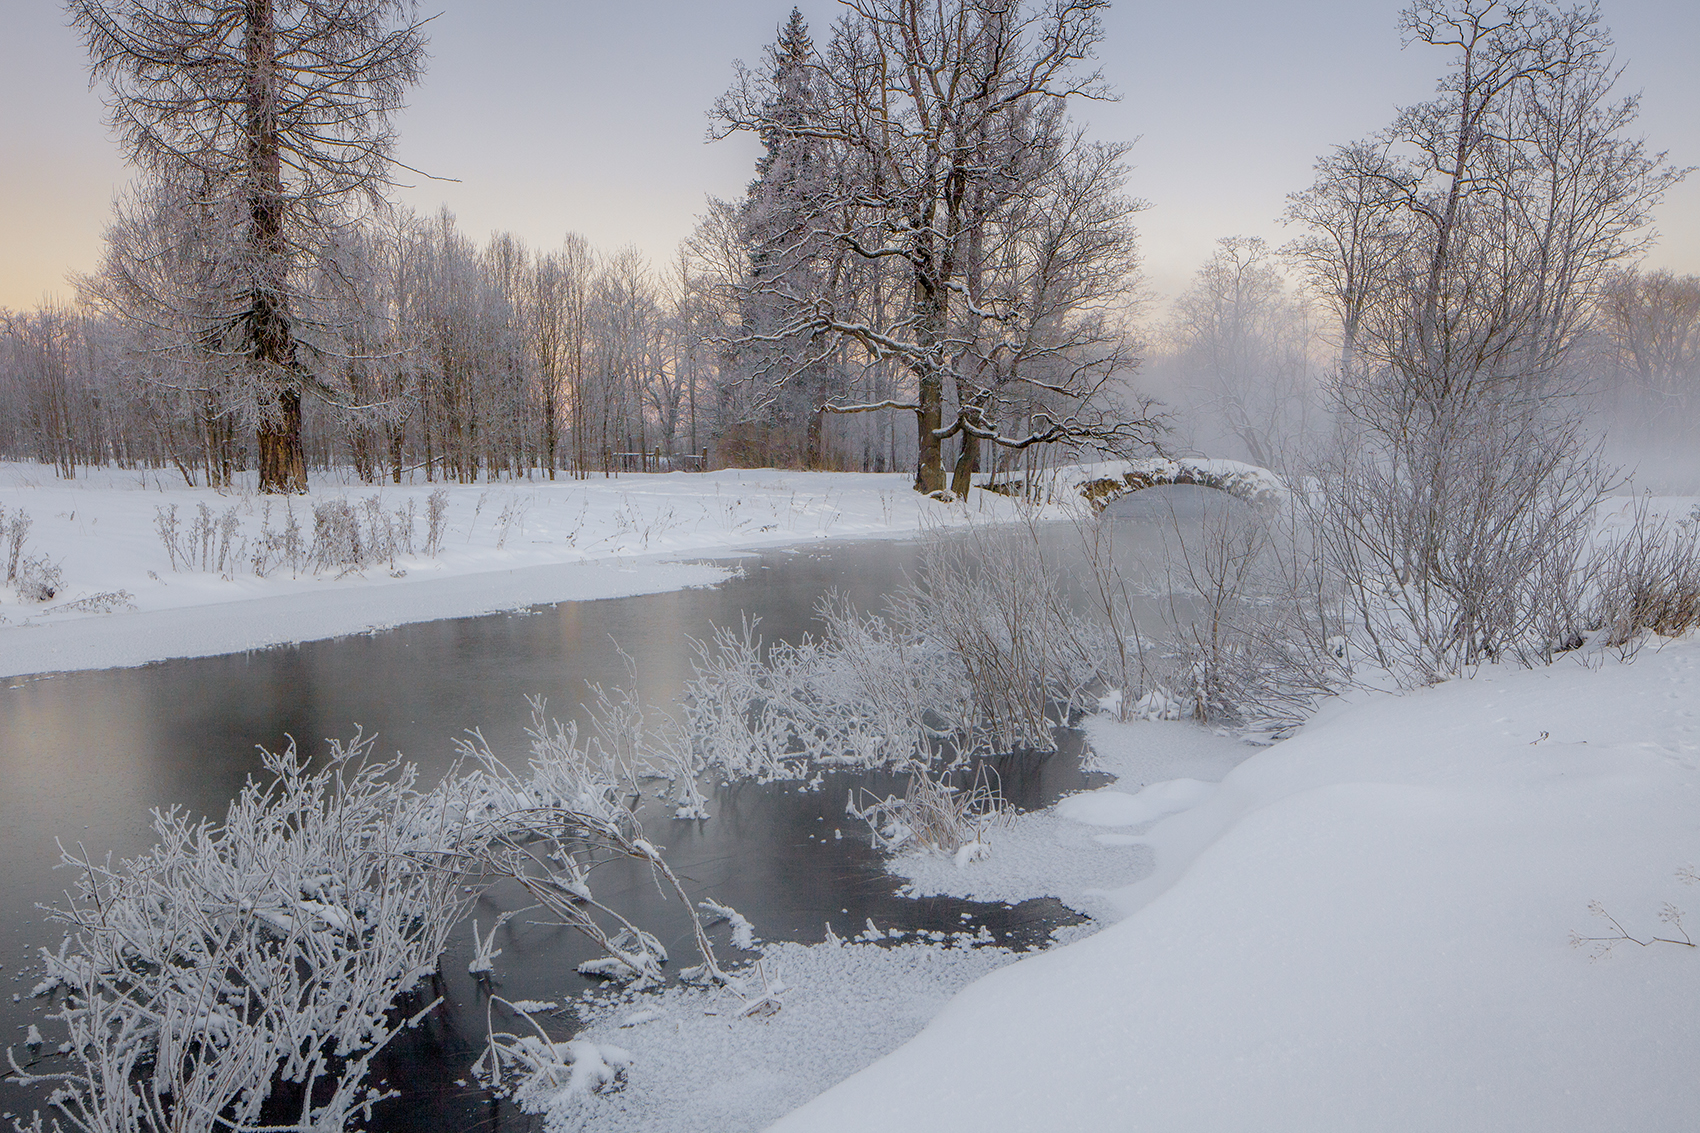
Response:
column 1351, row 213
column 1243, row 347
column 1463, row 465
column 941, row 131
column 277, row 112
column 1651, row 323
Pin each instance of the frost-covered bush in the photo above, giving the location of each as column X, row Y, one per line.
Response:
column 35, row 578
column 936, row 813
column 271, row 945
column 980, row 652
column 1457, row 525
column 283, row 943
column 537, row 1072
column 337, row 541
column 38, row 579
column 1648, row 578
column 436, row 514
column 13, row 533
column 346, row 535
column 545, row 829
column 283, row 546
column 1251, row 627
column 207, row 542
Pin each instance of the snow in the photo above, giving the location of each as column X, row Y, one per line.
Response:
column 699, row 1061
column 506, row 546
column 1367, row 926
column 1050, row 853
column 1118, row 808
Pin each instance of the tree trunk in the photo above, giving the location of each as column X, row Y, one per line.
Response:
column 967, row 464
column 812, row 454
column 929, row 466
column 283, row 466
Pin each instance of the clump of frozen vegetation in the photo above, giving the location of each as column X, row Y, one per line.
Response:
column 537, row 1072
column 287, row 944
column 1648, row 579
column 934, row 812
column 980, row 652
column 546, row 831
column 1250, row 627
column 275, row 946
column 1003, row 636
column 34, row 578
column 346, row 536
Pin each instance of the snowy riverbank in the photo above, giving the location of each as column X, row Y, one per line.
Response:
column 503, row 546
column 1368, row 926
column 1373, row 925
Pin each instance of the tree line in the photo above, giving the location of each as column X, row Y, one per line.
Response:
column 927, row 236
column 954, row 250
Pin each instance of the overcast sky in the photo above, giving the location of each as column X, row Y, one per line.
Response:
column 558, row 115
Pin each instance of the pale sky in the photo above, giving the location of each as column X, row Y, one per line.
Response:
column 562, row 116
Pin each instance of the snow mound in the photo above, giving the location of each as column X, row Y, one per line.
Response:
column 1117, row 808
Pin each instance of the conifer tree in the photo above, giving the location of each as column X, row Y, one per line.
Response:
column 278, row 114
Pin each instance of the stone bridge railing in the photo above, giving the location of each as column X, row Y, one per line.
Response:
column 1102, row 483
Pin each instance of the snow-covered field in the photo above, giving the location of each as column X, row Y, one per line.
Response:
column 503, row 546
column 1369, row 926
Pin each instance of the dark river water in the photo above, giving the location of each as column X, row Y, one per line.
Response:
column 85, row 757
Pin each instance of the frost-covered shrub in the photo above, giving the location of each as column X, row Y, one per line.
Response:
column 278, row 547
column 38, row 579
column 1648, row 579
column 282, row 944
column 271, row 945
column 436, row 515
column 337, row 542
column 13, row 532
column 545, row 830
column 207, row 543
column 538, row 1073
column 936, row 813
column 1250, row 624
column 101, row 602
column 981, row 652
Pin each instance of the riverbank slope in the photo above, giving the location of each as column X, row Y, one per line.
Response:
column 1412, row 915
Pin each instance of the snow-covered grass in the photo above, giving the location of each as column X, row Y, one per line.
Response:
column 1382, row 923
column 119, row 600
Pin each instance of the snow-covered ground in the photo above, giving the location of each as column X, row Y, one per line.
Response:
column 504, row 546
column 1369, row 926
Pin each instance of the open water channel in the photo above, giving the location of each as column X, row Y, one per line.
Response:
column 84, row 757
